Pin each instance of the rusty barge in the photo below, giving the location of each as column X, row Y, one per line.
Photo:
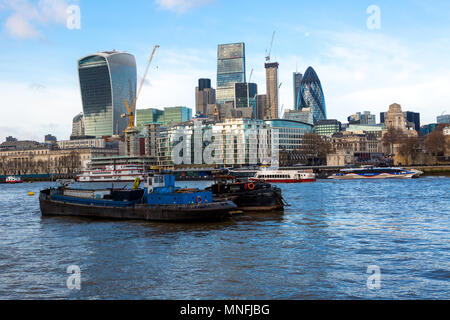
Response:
column 159, row 200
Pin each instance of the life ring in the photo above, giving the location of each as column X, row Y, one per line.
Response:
column 251, row 186
column 199, row 199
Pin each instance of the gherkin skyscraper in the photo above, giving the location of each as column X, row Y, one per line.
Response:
column 311, row 96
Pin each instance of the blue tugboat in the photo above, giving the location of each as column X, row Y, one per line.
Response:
column 159, row 200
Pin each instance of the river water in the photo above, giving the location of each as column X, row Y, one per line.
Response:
column 320, row 248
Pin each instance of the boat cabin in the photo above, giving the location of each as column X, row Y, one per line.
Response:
column 161, row 190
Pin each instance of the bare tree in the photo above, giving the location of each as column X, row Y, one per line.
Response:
column 435, row 142
column 315, row 148
column 410, row 148
column 393, row 136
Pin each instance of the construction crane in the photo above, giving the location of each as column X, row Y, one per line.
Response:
column 131, row 110
column 270, row 48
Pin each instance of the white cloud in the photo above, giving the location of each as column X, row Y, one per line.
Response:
column 181, row 6
column 20, row 27
column 368, row 71
column 30, row 111
column 358, row 71
column 27, row 18
column 174, row 74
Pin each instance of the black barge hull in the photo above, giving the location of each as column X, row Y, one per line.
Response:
column 165, row 213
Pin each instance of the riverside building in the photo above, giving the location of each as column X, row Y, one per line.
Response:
column 327, row 127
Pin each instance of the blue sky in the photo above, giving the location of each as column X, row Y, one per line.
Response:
column 405, row 61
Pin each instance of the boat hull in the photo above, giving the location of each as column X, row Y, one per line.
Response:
column 248, row 197
column 380, row 176
column 110, row 179
column 165, row 213
column 255, row 202
column 284, row 180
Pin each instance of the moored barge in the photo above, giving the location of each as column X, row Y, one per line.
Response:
column 248, row 196
column 159, row 200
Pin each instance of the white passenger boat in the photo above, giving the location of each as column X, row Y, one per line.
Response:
column 376, row 173
column 12, row 179
column 117, row 173
column 271, row 175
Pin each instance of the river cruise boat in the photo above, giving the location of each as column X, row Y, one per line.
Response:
column 270, row 175
column 376, row 173
column 159, row 200
column 12, row 179
column 112, row 173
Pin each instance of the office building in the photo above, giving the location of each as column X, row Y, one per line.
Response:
column 204, row 95
column 395, row 119
column 304, row 115
column 376, row 130
column 106, row 79
column 230, row 70
column 78, row 126
column 445, row 118
column 245, row 95
column 311, row 96
column 297, row 80
column 290, row 133
column 50, row 139
column 271, row 90
column 82, row 143
column 261, row 105
column 364, row 118
column 412, row 117
column 150, row 115
column 327, row 127
column 428, row 128
column 174, row 115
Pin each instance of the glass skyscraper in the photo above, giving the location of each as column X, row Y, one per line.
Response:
column 175, row 115
column 230, row 70
column 245, row 95
column 297, row 80
column 311, row 96
column 106, row 79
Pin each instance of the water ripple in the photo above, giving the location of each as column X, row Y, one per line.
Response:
column 319, row 249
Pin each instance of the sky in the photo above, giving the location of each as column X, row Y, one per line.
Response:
column 367, row 54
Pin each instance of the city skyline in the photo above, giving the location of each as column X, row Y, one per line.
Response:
column 360, row 68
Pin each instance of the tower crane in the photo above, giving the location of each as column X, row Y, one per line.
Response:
column 131, row 110
column 270, row 48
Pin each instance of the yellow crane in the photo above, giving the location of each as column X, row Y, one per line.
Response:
column 131, row 110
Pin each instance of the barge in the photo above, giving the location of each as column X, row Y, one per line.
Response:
column 248, row 196
column 159, row 200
